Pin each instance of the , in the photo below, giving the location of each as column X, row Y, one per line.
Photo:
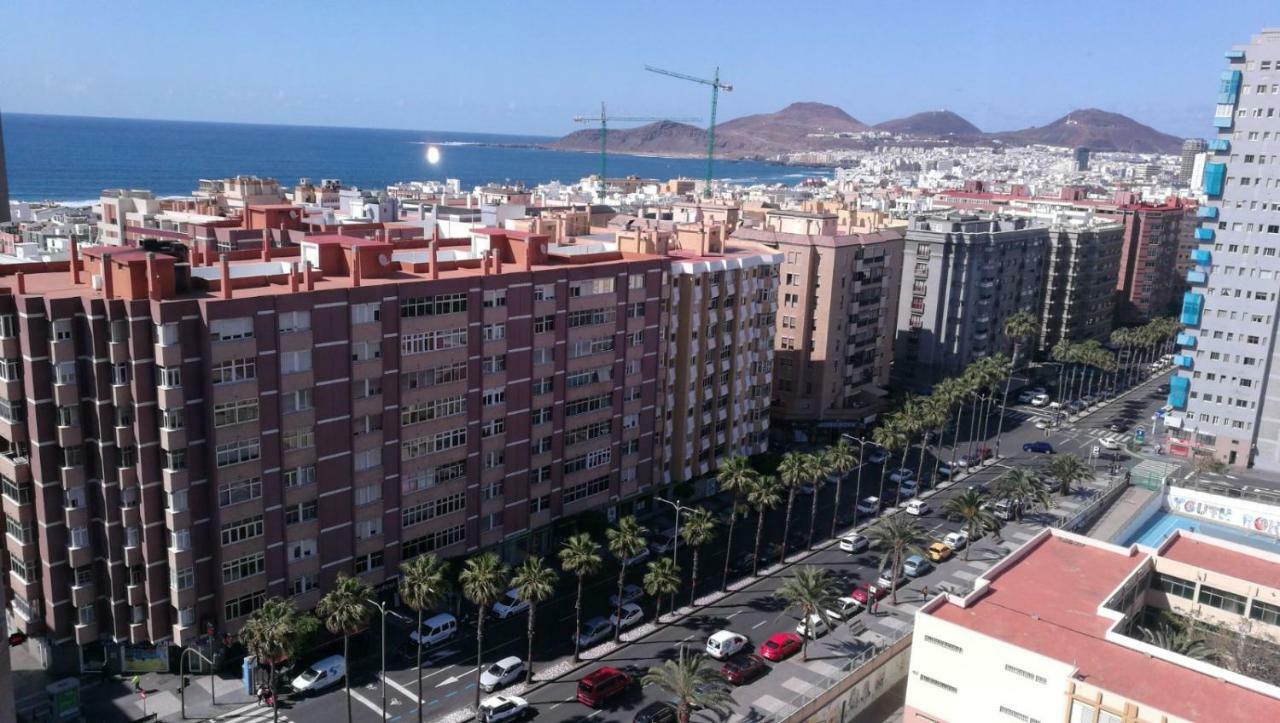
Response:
column 320, row 675
column 593, row 631
column 631, row 614
column 659, row 712
column 503, row 708
column 725, row 643
column 916, row 566
column 854, row 542
column 630, row 593
column 1038, row 447
column 780, row 646
column 743, row 668
column 940, row 551
column 843, row 608
column 600, row 686
column 918, row 508
column 509, row 605
column 956, row 540
column 502, row 673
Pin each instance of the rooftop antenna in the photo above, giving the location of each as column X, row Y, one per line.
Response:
column 716, row 87
column 603, row 119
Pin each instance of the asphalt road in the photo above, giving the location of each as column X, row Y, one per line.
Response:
column 753, row 611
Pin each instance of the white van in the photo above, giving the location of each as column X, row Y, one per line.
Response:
column 435, row 630
column 320, row 675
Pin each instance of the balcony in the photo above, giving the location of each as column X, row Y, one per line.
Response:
column 10, row 348
column 125, row 436
column 1192, row 307
column 121, row 395
column 1197, row 277
column 173, row 438
column 1215, row 175
column 70, row 436
column 1183, row 361
column 1186, row 340
column 138, row 633
column 169, row 397
column 80, row 556
column 168, row 355
column 1205, row 235
column 1202, row 257
column 118, row 352
column 1207, row 212
column 86, row 633
column 1178, row 388
column 11, row 389
column 82, row 595
column 66, row 393
column 136, row 594
column 1218, row 145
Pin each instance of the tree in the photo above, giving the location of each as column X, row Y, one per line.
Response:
column 1023, row 492
column 933, row 417
column 1068, row 469
column 535, row 583
column 580, row 556
column 816, row 464
column 968, row 507
column 345, row 611
column 423, row 584
column 841, row 457
column 792, row 472
column 810, row 591
column 1018, row 327
column 764, row 494
column 274, row 633
column 661, row 578
column 946, row 394
column 626, row 540
column 896, row 537
column 697, row 531
column 889, row 437
column 692, row 683
column 1180, row 642
column 483, row 580
column 735, row 476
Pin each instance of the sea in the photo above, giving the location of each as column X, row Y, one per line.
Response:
column 71, row 159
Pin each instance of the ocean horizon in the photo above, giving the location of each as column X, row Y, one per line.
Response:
column 71, row 159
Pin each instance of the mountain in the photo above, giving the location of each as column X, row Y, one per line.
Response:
column 792, row 125
column 1097, row 130
column 931, row 124
column 661, row 137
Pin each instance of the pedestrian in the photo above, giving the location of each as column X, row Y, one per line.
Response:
column 137, row 683
column 925, row 592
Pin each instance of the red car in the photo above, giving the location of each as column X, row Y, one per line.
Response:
column 743, row 668
column 599, row 686
column 780, row 646
column 864, row 595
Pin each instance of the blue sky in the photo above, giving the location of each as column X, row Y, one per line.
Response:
column 534, row 65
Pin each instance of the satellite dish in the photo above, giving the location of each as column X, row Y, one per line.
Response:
column 383, row 260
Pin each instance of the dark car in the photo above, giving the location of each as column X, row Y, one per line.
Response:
column 1038, row 447
column 659, row 712
column 743, row 668
column 1116, row 427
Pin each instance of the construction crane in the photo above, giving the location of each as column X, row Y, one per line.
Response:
column 603, row 119
column 716, row 87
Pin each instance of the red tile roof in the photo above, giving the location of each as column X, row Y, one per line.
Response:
column 1212, row 555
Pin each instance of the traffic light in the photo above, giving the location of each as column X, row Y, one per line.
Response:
column 17, row 638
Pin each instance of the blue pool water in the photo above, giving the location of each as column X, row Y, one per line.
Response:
column 1163, row 523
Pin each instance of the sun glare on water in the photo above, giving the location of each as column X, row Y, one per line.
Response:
column 433, row 155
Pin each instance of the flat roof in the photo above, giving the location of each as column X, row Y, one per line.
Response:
column 1048, row 601
column 1258, row 567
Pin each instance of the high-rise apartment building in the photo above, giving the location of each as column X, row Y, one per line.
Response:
column 1191, row 148
column 179, row 442
column 837, row 303
column 963, row 275
column 1079, row 295
column 1080, row 159
column 1227, row 380
column 1147, row 283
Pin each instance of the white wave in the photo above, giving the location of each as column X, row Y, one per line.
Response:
column 445, row 143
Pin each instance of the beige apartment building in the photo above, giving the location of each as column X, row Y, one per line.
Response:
column 837, row 307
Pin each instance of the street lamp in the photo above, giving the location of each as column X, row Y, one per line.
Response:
column 675, row 539
column 182, row 680
column 857, row 492
column 382, row 609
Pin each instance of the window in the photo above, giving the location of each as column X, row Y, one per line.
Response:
column 544, row 355
column 229, row 413
column 371, row 561
column 421, row 378
column 292, row 362
column 299, row 476
column 544, row 385
column 235, row 370
column 544, row 323
column 542, row 445
column 635, row 281
column 635, row 310
column 231, row 329
column 591, row 317
column 296, row 401
column 11, row 371
column 635, row 338
column 433, row 409
column 366, row 351
column 368, row 494
column 183, row 578
column 1018, row 716
column 1222, row 599
column 590, row 460
column 241, row 530
column 420, row 513
column 67, row 416
column 169, row 377
column 434, row 305
column 587, row 347
column 589, row 404
column 493, row 364
column 541, row 416
column 293, row 321
column 494, row 298
column 427, row 478
column 295, row 439
column 302, row 549
column 544, row 292
column 243, row 567
column 245, row 450
column 8, row 326
column 492, row 490
column 85, row 615
column 19, row 492
column 493, row 459
column 495, row 332
column 364, row 388
column 64, row 373
column 24, row 533
column 492, row 397
column 1264, row 612
column 169, row 418
column 301, row 512
column 493, row 428
column 368, row 459
column 590, row 287
column 366, row 313
column 540, row 504
column 586, row 489
column 1175, row 586
column 239, row 491
column 589, row 376
column 303, row 584
column 433, row 541
column 366, row 424
column 590, row 431
column 424, row 342
column 420, row 446
column 368, row 528
column 62, row 330
column 244, row 605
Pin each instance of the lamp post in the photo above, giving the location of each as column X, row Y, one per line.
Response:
column 857, row 492
column 382, row 609
column 675, row 539
column 182, row 680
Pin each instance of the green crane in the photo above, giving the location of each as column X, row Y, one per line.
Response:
column 603, row 119
column 716, row 87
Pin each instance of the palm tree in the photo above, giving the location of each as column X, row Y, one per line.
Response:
column 840, row 457
column 946, row 394
column 1068, row 469
column 764, row 494
column 1123, row 338
column 626, row 540
column 1180, row 642
column 792, row 472
column 579, row 556
column 968, row 507
column 962, row 389
column 661, row 578
column 933, row 417
column 696, row 532
column 811, row 591
column 910, row 419
column 896, row 537
column 1018, row 327
column 483, row 580
column 736, row 476
column 344, row 611
column 1023, row 492
column 692, row 683
column 274, row 633
column 535, row 583
column 423, row 584
column 889, row 437
column 995, row 369
column 1063, row 353
column 816, row 464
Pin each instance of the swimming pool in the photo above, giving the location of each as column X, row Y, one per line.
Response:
column 1163, row 523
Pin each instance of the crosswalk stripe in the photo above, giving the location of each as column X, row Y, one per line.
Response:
column 400, row 688
column 368, row 703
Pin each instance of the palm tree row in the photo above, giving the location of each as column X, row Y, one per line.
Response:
column 1143, row 344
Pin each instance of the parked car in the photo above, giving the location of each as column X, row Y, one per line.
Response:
column 593, row 631
column 631, row 614
column 805, row 489
column 916, row 566
column 1040, row 400
column 725, row 643
column 1116, row 427
column 1038, row 447
column 504, row 672
column 854, row 542
column 1027, row 396
column 630, row 593
column 659, row 712
column 956, row 540
column 509, row 605
column 320, row 675
column 637, row 559
column 877, row 456
column 780, row 646
column 888, row 581
column 662, row 543
column 1076, row 406
column 743, row 668
column 908, row 488
column 939, row 551
column 864, row 595
column 918, row 508
column 502, row 708
column 900, row 474
column 843, row 608
column 946, row 470
column 435, row 630
column 1005, row 509
column 813, row 627
column 600, row 686
column 869, row 506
